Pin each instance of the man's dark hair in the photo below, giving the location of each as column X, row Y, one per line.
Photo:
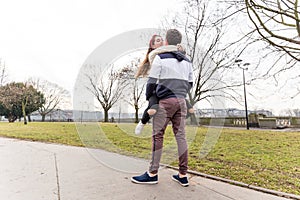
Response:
column 173, row 37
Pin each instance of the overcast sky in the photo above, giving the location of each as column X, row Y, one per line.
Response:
column 51, row 39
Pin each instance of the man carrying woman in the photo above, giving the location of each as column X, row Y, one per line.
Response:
column 170, row 79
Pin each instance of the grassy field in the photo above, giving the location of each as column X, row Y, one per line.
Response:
column 268, row 159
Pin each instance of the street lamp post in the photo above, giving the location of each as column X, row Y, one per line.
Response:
column 245, row 96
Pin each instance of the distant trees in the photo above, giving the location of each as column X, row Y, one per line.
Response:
column 115, row 84
column 106, row 86
column 136, row 86
column 18, row 100
column 291, row 112
column 54, row 95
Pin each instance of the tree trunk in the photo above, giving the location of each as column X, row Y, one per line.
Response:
column 11, row 118
column 136, row 114
column 29, row 118
column 43, row 117
column 24, row 112
column 105, row 115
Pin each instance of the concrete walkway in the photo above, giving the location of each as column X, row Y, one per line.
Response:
column 40, row 171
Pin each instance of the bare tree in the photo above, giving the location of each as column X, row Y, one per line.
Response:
column 54, row 95
column 212, row 52
column 296, row 112
column 136, row 86
column 107, row 87
column 277, row 23
column 138, row 93
column 275, row 37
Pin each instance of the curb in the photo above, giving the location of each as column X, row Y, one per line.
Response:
column 241, row 184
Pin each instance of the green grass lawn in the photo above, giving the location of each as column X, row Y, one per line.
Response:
column 268, row 159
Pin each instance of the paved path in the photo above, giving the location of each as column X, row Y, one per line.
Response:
column 39, row 171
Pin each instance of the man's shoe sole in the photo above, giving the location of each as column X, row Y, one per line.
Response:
column 146, row 183
column 182, row 184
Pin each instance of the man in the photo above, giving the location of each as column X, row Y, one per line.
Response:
column 170, row 78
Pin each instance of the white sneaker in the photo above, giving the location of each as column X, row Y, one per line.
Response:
column 139, row 128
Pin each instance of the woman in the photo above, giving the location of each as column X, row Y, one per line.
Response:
column 155, row 42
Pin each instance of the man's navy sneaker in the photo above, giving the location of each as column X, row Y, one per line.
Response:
column 145, row 179
column 182, row 181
